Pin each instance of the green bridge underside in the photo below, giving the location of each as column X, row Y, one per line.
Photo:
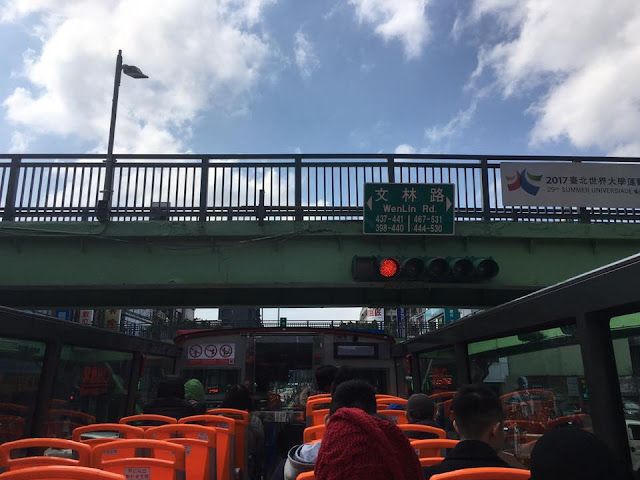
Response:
column 237, row 263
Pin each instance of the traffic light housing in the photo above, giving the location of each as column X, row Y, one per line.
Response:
column 426, row 269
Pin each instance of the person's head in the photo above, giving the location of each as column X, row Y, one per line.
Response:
column 193, row 390
column 344, row 374
column 325, row 374
column 478, row 415
column 523, row 383
column 238, row 397
column 171, row 386
column 420, row 407
column 354, row 394
column 572, row 453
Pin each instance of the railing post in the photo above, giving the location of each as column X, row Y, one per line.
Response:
column 391, row 169
column 12, row 190
column 484, row 172
column 204, row 188
column 298, row 187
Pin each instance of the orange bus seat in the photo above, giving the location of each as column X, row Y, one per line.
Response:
column 60, row 423
column 200, row 447
column 311, row 434
column 146, row 467
column 319, row 395
column 316, row 410
column 442, row 396
column 147, row 420
column 306, row 476
column 60, row 472
column 242, row 418
column 484, row 473
column 225, row 441
column 113, row 431
column 383, row 402
column 398, row 417
column 432, row 447
column 430, row 461
column 82, row 453
column 407, row 428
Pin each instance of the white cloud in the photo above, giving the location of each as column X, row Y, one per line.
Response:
column 405, row 148
column 583, row 55
column 454, row 127
column 197, row 53
column 402, row 20
column 19, row 142
column 306, row 58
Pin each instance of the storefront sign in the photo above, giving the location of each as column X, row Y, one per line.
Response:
column 556, row 184
column 95, row 380
column 86, row 317
column 375, row 314
column 211, row 354
column 112, row 318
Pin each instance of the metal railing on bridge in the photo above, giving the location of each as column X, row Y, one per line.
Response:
column 297, row 187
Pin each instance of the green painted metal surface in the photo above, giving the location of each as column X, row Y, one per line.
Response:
column 282, row 263
column 409, row 209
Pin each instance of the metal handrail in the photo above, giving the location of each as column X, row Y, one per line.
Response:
column 250, row 187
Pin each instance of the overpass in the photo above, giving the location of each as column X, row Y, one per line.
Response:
column 273, row 230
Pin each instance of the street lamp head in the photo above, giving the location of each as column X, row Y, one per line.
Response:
column 133, row 71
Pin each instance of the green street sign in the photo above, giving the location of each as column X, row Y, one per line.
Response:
column 409, row 208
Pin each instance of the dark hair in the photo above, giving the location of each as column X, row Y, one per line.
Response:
column 238, row 397
column 420, row 407
column 354, row 394
column 476, row 408
column 171, row 386
column 343, row 374
column 572, row 453
column 325, row 374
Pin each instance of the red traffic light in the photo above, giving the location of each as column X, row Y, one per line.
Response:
column 389, row 267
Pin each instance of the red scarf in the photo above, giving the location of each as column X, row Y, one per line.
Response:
column 359, row 446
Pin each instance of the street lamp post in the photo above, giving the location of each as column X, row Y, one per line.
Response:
column 103, row 212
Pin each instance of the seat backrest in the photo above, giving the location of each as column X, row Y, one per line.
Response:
column 382, row 402
column 306, row 476
column 430, row 461
column 61, row 472
column 412, row 427
column 200, row 447
column 60, row 422
column 225, row 441
column 316, row 410
column 396, row 416
column 442, row 396
column 242, row 419
column 313, row 433
column 105, row 432
column 317, row 417
column 80, row 451
column 432, row 447
column 171, row 467
column 484, row 473
column 147, row 420
column 319, row 395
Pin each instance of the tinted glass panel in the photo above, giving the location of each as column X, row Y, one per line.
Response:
column 20, row 367
column 540, row 380
column 90, row 387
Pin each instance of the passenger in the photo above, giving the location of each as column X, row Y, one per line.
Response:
column 421, row 410
column 171, row 401
column 194, row 392
column 569, row 452
column 301, row 457
column 479, row 420
column 359, row 444
column 324, row 376
column 239, row 397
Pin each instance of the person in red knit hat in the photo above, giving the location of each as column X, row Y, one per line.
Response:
column 360, row 445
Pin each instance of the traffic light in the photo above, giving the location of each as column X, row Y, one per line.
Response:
column 461, row 269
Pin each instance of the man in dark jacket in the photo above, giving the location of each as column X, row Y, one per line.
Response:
column 479, row 420
column 421, row 411
column 171, row 401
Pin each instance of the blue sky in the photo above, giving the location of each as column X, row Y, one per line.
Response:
column 323, row 76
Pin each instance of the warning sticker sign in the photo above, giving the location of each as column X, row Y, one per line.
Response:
column 211, row 354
